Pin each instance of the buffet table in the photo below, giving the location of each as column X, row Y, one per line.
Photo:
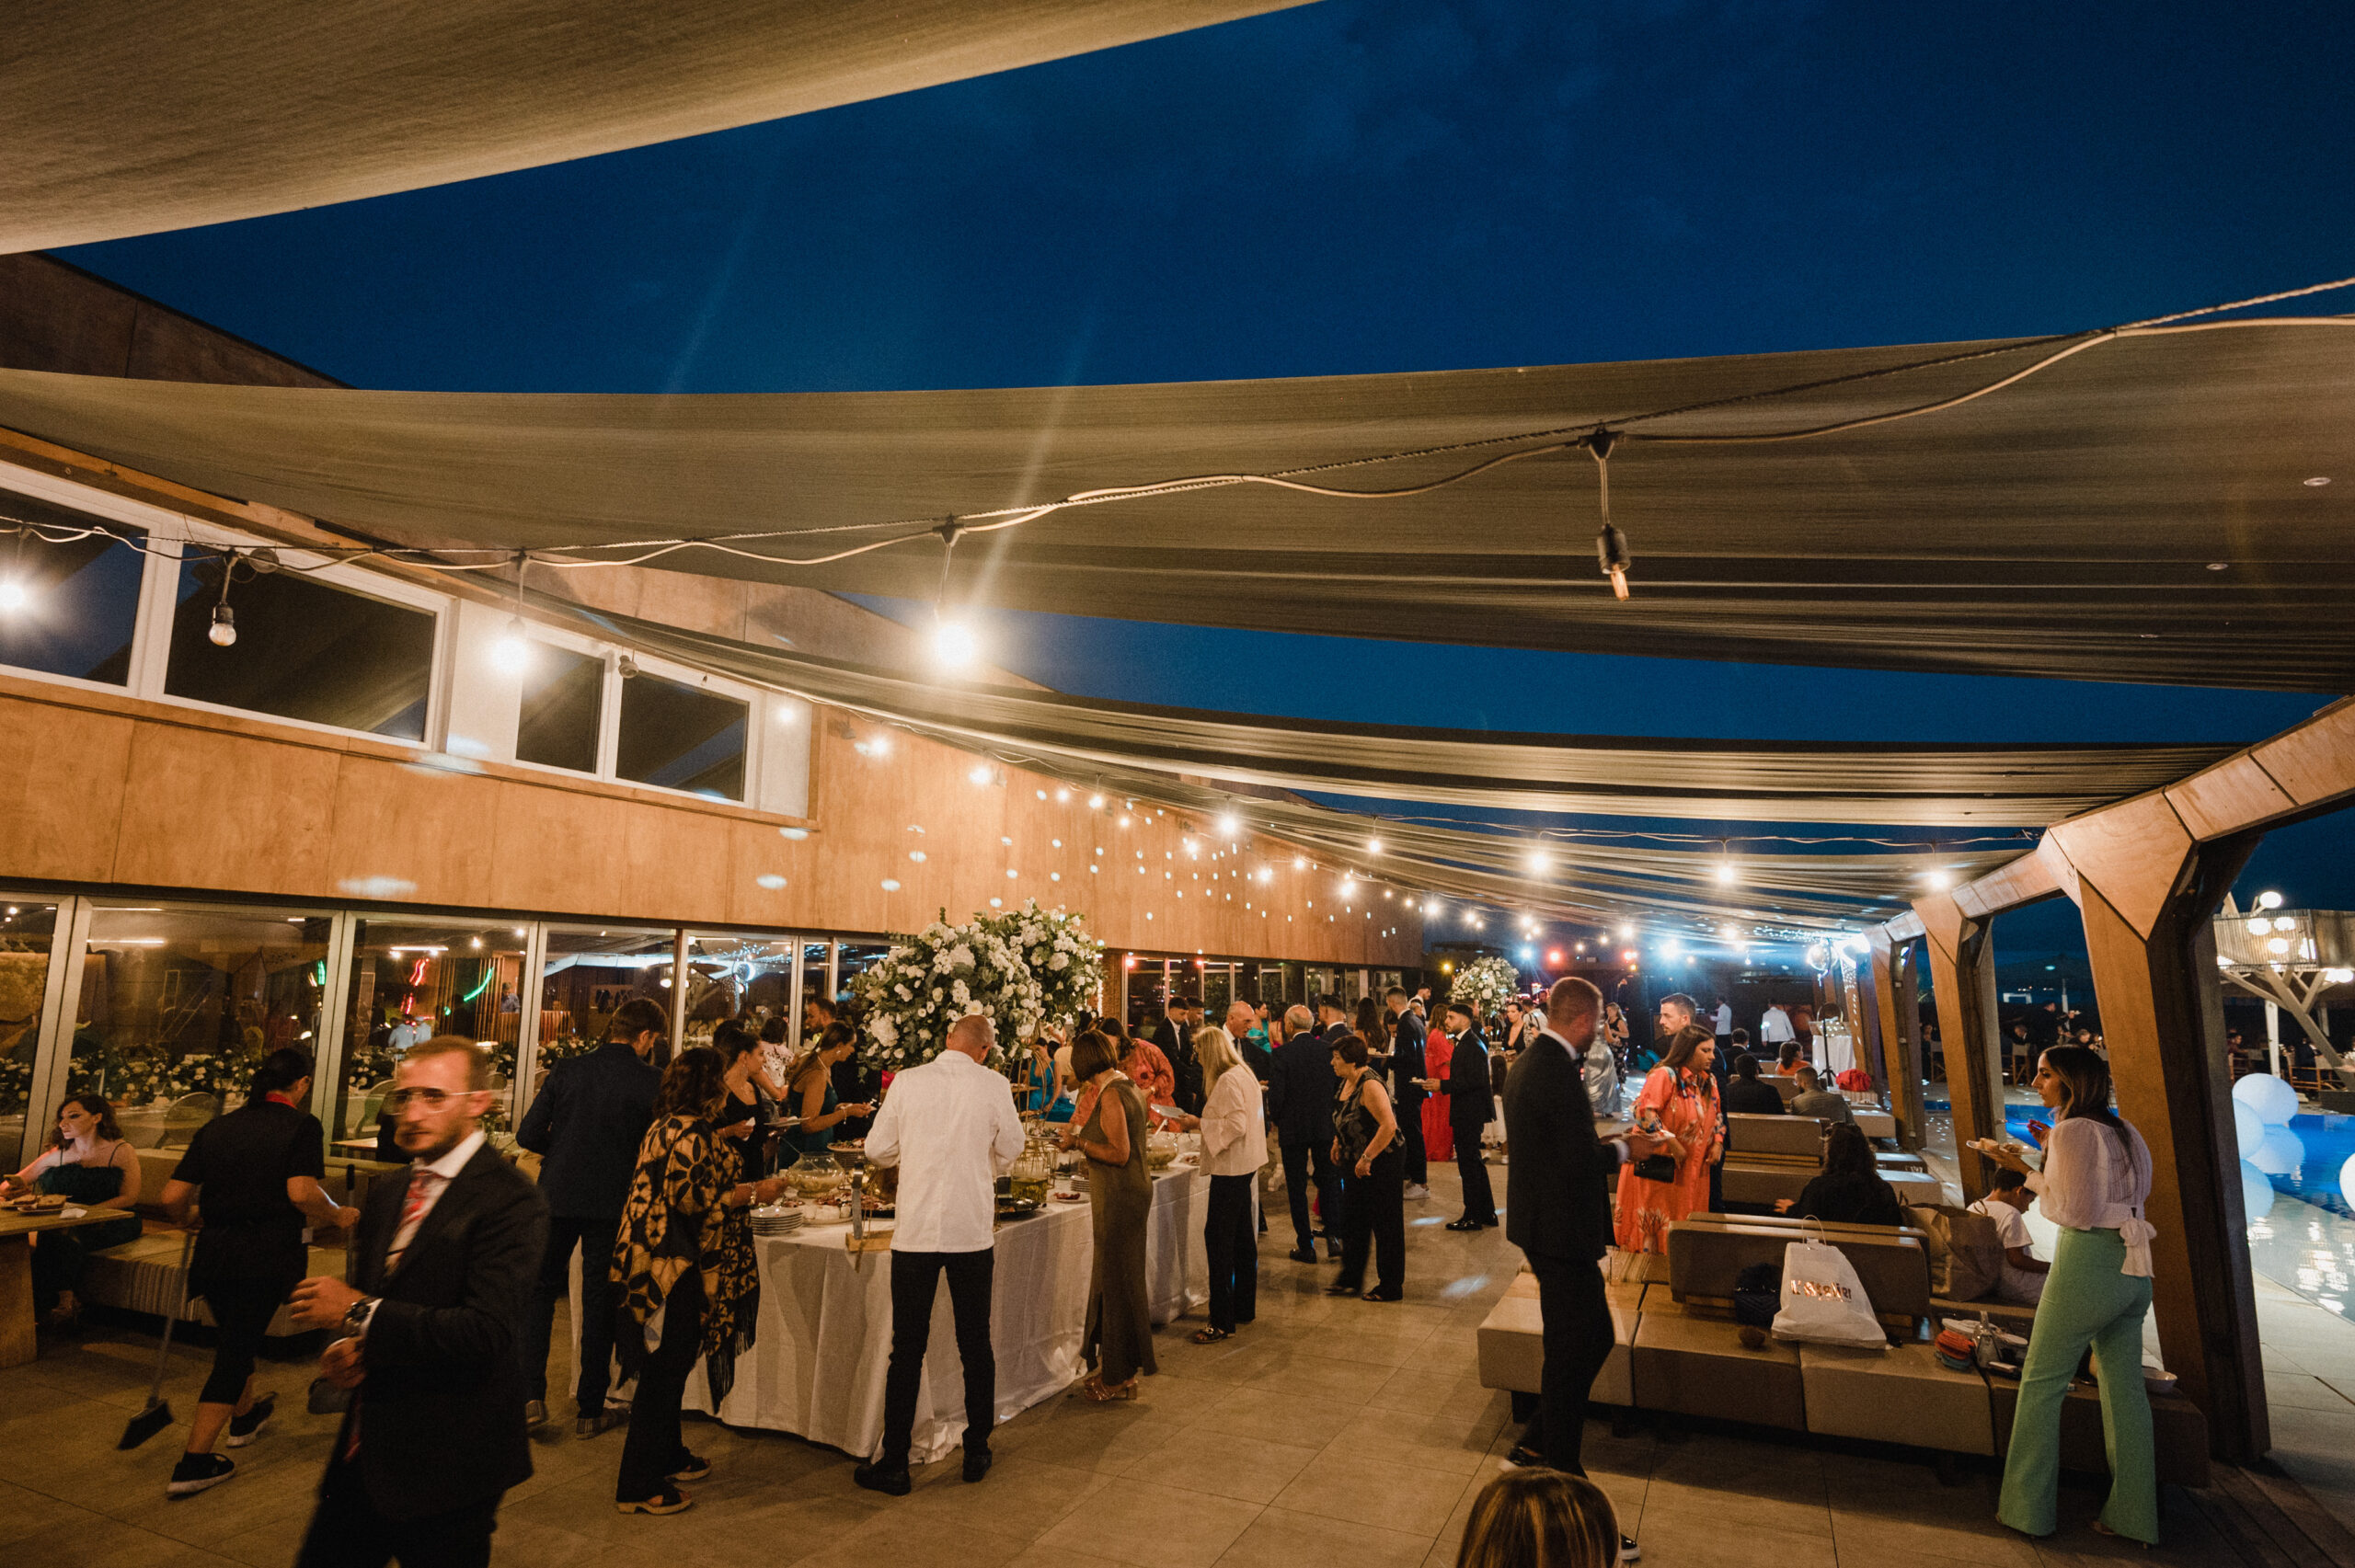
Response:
column 824, row 1341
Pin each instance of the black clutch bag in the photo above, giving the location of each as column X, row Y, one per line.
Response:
column 1656, row 1167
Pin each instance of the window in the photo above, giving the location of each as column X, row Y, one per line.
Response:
column 589, row 972
column 67, row 608
column 563, row 696
column 27, row 927
column 412, row 979
column 681, row 737
column 739, row 976
column 305, row 649
column 179, row 1004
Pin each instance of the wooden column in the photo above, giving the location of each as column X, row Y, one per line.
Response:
column 2149, row 894
column 1896, row 1011
column 1963, row 975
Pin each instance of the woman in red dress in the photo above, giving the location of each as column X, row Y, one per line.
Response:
column 1683, row 1093
column 1439, row 1137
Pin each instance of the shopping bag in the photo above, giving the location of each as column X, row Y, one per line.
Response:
column 1824, row 1301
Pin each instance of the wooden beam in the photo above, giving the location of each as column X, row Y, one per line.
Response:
column 2163, row 1021
column 1962, row 975
column 1896, row 1012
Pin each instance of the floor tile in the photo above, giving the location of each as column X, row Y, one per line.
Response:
column 1155, row 1527
column 1282, row 1539
column 1339, row 1485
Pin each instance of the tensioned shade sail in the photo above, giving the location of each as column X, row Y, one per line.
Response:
column 144, row 115
column 1719, row 781
column 2138, row 511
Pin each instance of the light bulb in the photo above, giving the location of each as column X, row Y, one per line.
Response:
column 2259, row 926
column 2269, row 900
column 1095, row 803
column 225, row 626
column 1627, row 934
column 13, row 595
column 1540, row 862
column 954, row 646
column 1725, row 871
column 512, row 652
column 1374, row 846
column 980, row 774
column 1229, row 826
column 1937, row 879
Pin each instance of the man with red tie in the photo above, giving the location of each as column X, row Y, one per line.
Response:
column 442, row 1274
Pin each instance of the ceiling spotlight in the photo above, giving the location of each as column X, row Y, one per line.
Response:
column 512, row 653
column 2283, row 922
column 1554, row 958
column 1266, row 874
column 225, row 626
column 1124, row 821
column 2269, row 900
column 13, row 595
column 954, row 646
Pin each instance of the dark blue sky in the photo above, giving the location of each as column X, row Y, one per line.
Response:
column 1382, row 185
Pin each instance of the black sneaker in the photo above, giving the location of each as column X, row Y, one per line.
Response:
column 244, row 1429
column 1628, row 1550
column 1303, row 1255
column 197, row 1471
column 978, row 1462
column 689, row 1468
column 875, row 1478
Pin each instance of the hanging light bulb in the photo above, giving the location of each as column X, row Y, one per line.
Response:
column 1230, row 826
column 13, row 596
column 1540, row 862
column 1374, row 846
column 1095, row 803
column 1725, row 872
column 1611, row 551
column 512, row 652
column 954, row 646
column 225, row 626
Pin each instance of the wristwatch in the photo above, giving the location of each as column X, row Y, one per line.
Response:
column 356, row 1316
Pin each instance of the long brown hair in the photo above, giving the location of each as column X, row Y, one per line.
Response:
column 2084, row 1073
column 97, row 1107
column 835, row 1035
column 1540, row 1518
column 1683, row 1044
column 692, row 1085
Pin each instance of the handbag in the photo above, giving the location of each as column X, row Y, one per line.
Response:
column 1824, row 1301
column 1966, row 1251
column 1656, row 1167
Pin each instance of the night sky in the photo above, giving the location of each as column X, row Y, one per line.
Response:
column 1393, row 185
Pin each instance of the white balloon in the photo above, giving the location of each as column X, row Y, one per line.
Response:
column 2347, row 1178
column 2256, row 1193
column 2248, row 1127
column 2271, row 1098
column 2280, row 1153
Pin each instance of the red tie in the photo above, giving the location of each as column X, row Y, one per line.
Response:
column 422, row 1185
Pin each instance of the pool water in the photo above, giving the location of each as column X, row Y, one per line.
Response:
column 2329, row 1140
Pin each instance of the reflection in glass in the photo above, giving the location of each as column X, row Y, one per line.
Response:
column 562, row 699
column 80, row 597
column 681, row 737
column 303, row 650
column 590, row 972
column 412, row 979
column 180, row 1002
column 27, row 926
column 749, row 978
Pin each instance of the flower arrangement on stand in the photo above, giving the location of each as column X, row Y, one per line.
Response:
column 932, row 977
column 1064, row 959
column 1486, row 984
column 198, row 1074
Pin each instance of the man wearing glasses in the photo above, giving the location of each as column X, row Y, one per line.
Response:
column 442, row 1270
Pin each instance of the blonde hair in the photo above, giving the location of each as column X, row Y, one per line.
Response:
column 1214, row 1048
column 478, row 1060
column 1540, row 1518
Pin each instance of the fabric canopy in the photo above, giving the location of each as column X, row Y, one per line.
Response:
column 145, row 115
column 2138, row 511
column 1717, row 781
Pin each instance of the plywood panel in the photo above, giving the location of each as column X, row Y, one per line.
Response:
column 2316, row 762
column 61, row 778
column 2227, row 797
column 423, row 834
column 209, row 810
column 2133, row 851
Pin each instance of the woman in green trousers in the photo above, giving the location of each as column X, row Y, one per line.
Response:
column 2096, row 1180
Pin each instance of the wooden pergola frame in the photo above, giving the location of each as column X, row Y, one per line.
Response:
column 2147, row 874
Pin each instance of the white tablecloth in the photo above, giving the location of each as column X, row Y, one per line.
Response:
column 824, row 1341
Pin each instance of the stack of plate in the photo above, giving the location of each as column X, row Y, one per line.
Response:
column 778, row 1221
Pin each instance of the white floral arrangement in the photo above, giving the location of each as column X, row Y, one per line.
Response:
column 931, row 979
column 1064, row 959
column 1486, row 984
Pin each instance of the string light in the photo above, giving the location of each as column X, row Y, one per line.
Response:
column 13, row 596
column 1609, row 545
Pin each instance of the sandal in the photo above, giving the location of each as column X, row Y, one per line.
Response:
column 1340, row 1290
column 1100, row 1392
column 1383, row 1295
column 1211, row 1336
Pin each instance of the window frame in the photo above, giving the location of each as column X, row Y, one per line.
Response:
column 752, row 697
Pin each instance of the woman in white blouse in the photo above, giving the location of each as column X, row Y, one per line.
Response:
column 1234, row 1124
column 2094, row 1183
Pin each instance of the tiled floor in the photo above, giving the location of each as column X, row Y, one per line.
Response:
column 1329, row 1433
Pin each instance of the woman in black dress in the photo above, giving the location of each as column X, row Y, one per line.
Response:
column 1366, row 1145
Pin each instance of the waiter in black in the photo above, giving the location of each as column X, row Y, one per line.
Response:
column 1556, row 1213
column 442, row 1272
column 1471, row 1106
column 586, row 1124
column 1407, row 1088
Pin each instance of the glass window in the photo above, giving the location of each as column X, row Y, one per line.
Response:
column 590, row 972
column 739, row 976
column 680, row 737
column 304, row 650
column 563, row 701
column 180, row 1002
column 412, row 979
column 26, row 927
column 67, row 608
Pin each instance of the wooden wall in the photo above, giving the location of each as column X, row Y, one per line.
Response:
column 105, row 790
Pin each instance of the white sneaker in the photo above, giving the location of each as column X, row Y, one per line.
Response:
column 1417, row 1191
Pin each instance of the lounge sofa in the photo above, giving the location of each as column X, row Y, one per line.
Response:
column 1677, row 1350
column 1774, row 1157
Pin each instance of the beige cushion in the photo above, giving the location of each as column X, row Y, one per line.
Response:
column 1512, row 1347
column 1875, row 1124
column 1698, row 1365
column 1899, row 1395
column 143, row 1276
column 1801, row 1136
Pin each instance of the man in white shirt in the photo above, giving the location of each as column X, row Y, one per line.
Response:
column 2006, row 1204
column 950, row 1127
column 1776, row 1026
column 1724, row 1023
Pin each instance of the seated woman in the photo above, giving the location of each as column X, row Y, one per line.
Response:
column 89, row 1164
column 1849, row 1191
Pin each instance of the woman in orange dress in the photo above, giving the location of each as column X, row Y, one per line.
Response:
column 1439, row 1137
column 1682, row 1091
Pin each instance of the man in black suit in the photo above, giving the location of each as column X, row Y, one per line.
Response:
column 586, row 1124
column 1407, row 1088
column 1300, row 1102
column 442, row 1272
column 1471, row 1104
column 1556, row 1213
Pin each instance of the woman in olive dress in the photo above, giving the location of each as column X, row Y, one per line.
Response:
column 1118, row 1339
